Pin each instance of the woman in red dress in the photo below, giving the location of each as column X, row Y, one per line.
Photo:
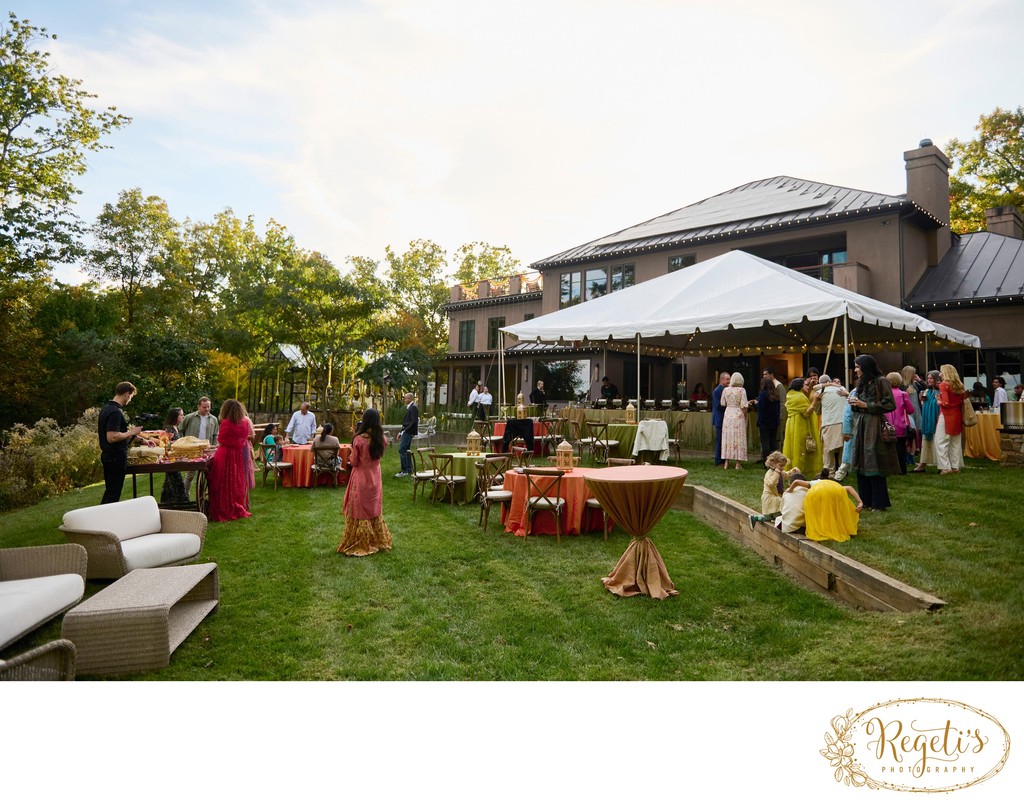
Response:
column 949, row 449
column 365, row 530
column 229, row 471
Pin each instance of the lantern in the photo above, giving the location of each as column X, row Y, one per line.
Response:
column 630, row 413
column 473, row 442
column 520, row 407
column 564, row 458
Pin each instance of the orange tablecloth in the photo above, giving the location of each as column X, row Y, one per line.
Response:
column 983, row 440
column 301, row 458
column 539, row 429
column 576, row 518
column 636, row 497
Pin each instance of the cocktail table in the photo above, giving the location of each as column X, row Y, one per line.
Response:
column 138, row 621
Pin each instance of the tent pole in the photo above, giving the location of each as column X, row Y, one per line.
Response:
column 501, row 370
column 638, row 398
column 926, row 364
column 831, row 339
column 846, row 350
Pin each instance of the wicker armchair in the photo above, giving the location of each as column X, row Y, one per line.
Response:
column 54, row 661
column 25, row 563
column 106, row 548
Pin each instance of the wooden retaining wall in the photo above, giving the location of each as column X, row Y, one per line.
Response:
column 811, row 564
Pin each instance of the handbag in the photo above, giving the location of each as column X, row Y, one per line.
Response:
column 810, row 446
column 969, row 417
column 888, row 432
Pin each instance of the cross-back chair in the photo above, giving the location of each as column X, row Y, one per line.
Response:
column 444, row 480
column 602, row 444
column 422, row 472
column 269, row 462
column 326, row 461
column 491, row 470
column 542, row 489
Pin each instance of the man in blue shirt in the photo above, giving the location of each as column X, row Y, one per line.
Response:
column 718, row 413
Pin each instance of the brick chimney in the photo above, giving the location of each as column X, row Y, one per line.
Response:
column 1004, row 221
column 928, row 186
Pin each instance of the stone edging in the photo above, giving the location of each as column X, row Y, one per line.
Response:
column 809, row 563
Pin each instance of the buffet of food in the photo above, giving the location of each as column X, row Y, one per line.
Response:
column 182, row 449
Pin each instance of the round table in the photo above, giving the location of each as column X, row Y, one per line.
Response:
column 576, row 519
column 636, row 497
column 982, row 441
column 301, row 458
column 464, row 464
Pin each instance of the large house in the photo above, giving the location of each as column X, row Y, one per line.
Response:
column 895, row 248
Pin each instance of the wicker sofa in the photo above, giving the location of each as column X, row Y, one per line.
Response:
column 38, row 583
column 134, row 534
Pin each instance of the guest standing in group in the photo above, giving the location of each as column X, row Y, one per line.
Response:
column 484, row 404
column 174, row 491
column 898, row 418
column 768, row 406
column 734, row 422
column 949, row 449
column 365, row 529
column 202, row 425
column 929, row 421
column 538, row 397
column 780, row 391
column 914, row 386
column 718, row 413
column 229, row 469
column 302, row 426
column 998, row 393
column 832, row 399
column 410, row 427
column 115, row 437
column 801, row 445
column 474, row 400
column 873, row 458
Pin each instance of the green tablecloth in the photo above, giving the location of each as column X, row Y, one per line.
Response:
column 465, row 465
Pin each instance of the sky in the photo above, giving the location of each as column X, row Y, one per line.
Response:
column 536, row 125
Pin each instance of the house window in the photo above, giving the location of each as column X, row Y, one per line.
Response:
column 677, row 262
column 528, row 316
column 569, row 289
column 596, row 284
column 623, row 276
column 493, row 324
column 467, row 335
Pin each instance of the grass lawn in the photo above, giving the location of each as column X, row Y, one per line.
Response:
column 452, row 602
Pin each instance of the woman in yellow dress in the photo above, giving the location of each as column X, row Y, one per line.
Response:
column 800, row 425
column 829, row 510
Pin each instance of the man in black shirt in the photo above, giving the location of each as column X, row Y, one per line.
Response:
column 115, row 436
column 608, row 389
column 537, row 396
column 410, row 427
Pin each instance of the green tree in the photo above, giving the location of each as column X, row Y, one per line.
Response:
column 480, row 261
column 132, row 239
column 420, row 282
column 988, row 170
column 47, row 126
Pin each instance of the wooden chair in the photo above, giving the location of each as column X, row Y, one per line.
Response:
column 492, row 469
column 271, row 464
column 421, row 474
column 551, row 436
column 326, row 461
column 483, row 428
column 444, row 478
column 602, row 444
column 621, row 461
column 542, row 488
column 580, row 442
column 675, row 443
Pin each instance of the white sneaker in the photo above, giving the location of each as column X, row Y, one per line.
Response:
column 841, row 473
column 400, row 474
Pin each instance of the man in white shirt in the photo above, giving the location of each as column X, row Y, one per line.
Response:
column 833, row 405
column 998, row 392
column 474, row 396
column 302, row 426
column 483, row 403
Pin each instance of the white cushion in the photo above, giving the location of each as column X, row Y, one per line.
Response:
column 26, row 603
column 499, row 495
column 594, row 503
column 150, row 551
column 127, row 519
column 546, row 503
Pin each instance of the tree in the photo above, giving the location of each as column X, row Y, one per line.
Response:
column 46, row 128
column 480, row 261
column 419, row 281
column 132, row 240
column 988, row 171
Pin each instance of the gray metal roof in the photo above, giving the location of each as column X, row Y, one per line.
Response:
column 768, row 204
column 979, row 268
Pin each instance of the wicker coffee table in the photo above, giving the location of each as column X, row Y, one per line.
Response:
column 138, row 621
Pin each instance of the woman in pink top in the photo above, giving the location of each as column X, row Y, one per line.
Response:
column 898, row 417
column 365, row 530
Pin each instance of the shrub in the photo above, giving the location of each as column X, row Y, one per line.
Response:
column 45, row 460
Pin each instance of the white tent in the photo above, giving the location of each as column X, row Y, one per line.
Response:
column 739, row 303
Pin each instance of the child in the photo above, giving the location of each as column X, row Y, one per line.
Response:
column 774, row 484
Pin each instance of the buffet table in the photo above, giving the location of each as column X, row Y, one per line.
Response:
column 200, row 501
column 982, row 441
